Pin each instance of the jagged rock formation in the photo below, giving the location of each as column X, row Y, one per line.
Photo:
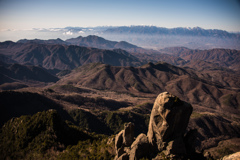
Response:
column 124, row 139
column 168, row 122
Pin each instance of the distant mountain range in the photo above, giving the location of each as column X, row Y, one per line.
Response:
column 145, row 29
column 143, row 36
column 153, row 30
column 159, row 37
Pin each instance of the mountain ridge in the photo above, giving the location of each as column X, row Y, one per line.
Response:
column 40, row 41
column 98, row 42
column 55, row 56
column 195, row 31
column 154, row 78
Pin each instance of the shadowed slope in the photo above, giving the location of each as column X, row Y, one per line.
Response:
column 16, row 72
column 15, row 104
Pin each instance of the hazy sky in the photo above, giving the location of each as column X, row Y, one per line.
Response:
column 208, row 14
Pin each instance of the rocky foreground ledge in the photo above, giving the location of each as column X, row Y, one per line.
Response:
column 166, row 137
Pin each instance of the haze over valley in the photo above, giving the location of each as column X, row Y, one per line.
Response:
column 151, row 37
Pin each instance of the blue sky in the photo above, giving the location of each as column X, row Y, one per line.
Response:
column 208, row 14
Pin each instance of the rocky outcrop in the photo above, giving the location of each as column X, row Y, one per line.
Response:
column 123, row 141
column 167, row 126
column 128, row 134
column 168, row 122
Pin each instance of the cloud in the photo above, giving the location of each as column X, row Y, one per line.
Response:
column 81, row 32
column 68, row 33
column 48, row 29
column 54, row 29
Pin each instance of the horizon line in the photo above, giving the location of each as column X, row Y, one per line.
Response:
column 113, row 26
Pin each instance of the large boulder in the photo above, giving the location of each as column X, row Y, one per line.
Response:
column 168, row 122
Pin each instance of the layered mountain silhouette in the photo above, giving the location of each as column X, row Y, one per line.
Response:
column 212, row 64
column 61, row 54
column 94, row 42
column 174, row 55
column 51, row 54
column 64, row 56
